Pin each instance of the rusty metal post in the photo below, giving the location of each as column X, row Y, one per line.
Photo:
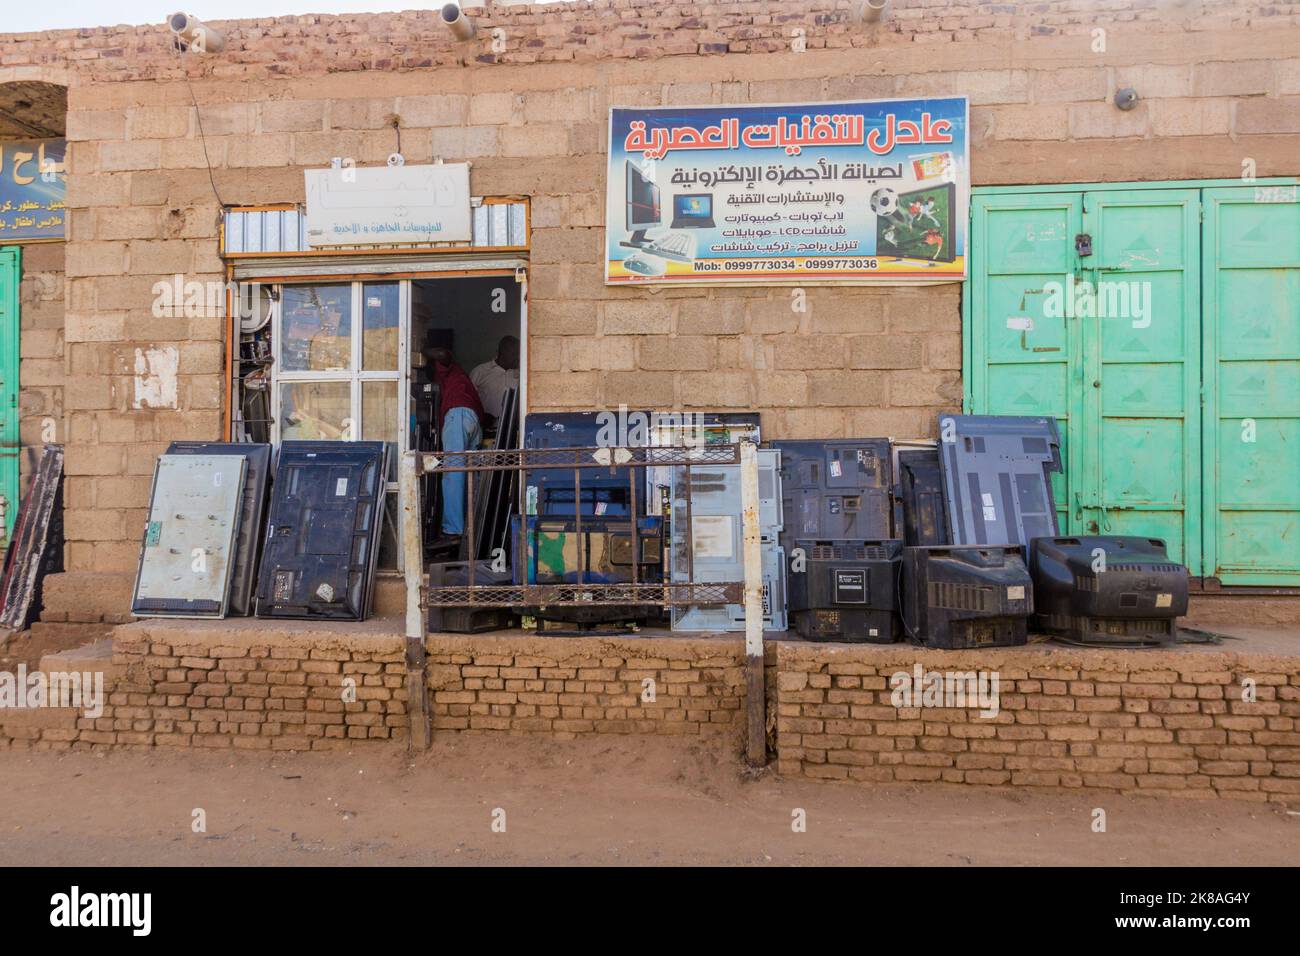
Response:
column 755, row 677
column 420, row 729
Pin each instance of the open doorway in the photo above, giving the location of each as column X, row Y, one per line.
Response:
column 466, row 375
column 393, row 360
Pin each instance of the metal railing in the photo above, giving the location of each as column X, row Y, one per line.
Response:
column 665, row 593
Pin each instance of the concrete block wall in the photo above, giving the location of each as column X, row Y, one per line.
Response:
column 1220, row 86
column 41, row 372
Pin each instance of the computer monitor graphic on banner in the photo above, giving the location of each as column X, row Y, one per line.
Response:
column 642, row 205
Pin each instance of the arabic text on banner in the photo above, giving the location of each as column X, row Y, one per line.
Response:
column 32, row 188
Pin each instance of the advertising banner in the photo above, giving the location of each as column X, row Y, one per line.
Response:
column 871, row 192
column 32, row 188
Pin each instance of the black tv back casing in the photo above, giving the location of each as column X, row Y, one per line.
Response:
column 921, row 510
column 1107, row 588
column 848, row 590
column 967, row 596
column 468, row 620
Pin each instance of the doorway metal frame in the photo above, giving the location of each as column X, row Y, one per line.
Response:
column 11, row 259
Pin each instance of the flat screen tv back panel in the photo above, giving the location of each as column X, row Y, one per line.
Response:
column 606, row 492
column 189, row 539
column 322, row 535
column 716, row 541
column 997, row 477
column 921, row 512
column 257, row 478
column 835, row 489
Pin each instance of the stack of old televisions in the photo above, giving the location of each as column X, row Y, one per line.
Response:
column 222, row 539
column 975, row 558
column 578, row 528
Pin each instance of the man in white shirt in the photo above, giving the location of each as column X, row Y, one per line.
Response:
column 491, row 379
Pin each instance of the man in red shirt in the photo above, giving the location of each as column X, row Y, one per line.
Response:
column 459, row 418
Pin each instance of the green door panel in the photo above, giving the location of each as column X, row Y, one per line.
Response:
column 10, row 263
column 1142, row 350
column 1251, row 371
column 1020, row 350
column 1107, row 343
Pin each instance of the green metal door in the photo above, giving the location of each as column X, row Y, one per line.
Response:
column 1252, row 378
column 1105, row 338
column 1021, row 360
column 10, row 263
column 1140, row 369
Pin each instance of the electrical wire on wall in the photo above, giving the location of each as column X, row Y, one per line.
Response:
column 179, row 49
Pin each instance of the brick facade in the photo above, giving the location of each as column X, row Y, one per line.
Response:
column 1219, row 81
column 1159, row 722
column 1149, row 722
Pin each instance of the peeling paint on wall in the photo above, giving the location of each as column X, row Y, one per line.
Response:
column 155, row 377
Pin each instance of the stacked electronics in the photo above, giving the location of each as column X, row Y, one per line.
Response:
column 209, row 524
column 578, row 529
column 708, row 541
column 968, row 585
column 845, row 564
column 984, row 552
column 949, row 544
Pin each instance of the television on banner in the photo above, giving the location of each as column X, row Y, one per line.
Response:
column 864, row 192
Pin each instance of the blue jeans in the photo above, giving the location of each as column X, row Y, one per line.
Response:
column 460, row 432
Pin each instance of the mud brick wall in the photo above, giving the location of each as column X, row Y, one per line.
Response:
column 195, row 686
column 564, row 687
column 1146, row 722
column 1160, row 722
column 1219, row 83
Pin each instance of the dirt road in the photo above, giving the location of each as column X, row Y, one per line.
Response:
column 629, row 801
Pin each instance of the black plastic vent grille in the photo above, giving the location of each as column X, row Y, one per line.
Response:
column 960, row 597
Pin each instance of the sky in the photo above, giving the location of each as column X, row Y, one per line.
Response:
column 66, row 14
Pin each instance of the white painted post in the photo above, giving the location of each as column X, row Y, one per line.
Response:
column 755, row 683
column 417, row 686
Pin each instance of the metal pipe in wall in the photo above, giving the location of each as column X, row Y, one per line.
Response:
column 454, row 19
column 870, row 11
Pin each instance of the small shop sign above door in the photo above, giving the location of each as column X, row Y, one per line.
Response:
column 872, row 192
column 388, row 205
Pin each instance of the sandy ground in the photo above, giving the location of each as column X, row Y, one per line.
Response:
column 621, row 801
